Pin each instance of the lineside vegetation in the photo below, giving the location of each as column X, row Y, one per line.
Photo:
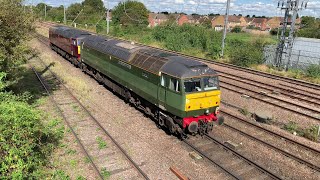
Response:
column 25, row 141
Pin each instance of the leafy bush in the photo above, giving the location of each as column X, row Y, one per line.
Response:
column 236, row 29
column 178, row 38
column 25, row 141
column 311, row 133
column 314, row 71
column 291, row 127
column 245, row 54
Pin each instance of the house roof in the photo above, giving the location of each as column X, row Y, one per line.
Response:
column 158, row 16
column 259, row 20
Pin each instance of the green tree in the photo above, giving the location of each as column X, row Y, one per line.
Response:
column 15, row 24
column 40, row 9
column 308, row 22
column 56, row 14
column 207, row 23
column 96, row 5
column 73, row 10
column 130, row 13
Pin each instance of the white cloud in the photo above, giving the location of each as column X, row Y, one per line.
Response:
column 257, row 7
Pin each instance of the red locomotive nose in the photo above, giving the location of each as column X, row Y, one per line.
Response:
column 205, row 118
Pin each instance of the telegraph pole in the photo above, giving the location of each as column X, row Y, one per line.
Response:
column 225, row 28
column 64, row 14
column 108, row 17
column 45, row 11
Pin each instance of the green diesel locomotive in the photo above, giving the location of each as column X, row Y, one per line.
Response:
column 181, row 94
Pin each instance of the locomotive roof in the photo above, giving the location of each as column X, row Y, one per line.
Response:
column 186, row 68
column 149, row 59
column 116, row 48
column 69, row 32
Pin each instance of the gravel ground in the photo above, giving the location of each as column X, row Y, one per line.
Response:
column 279, row 115
column 156, row 151
column 270, row 93
column 69, row 157
column 149, row 146
column 275, row 141
column 259, row 78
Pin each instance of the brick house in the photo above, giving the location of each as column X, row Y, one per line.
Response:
column 260, row 23
column 233, row 21
column 156, row 19
column 274, row 22
column 243, row 22
column 182, row 19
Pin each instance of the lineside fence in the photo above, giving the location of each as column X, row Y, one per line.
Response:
column 306, row 52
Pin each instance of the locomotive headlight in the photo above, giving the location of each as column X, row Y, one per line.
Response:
column 207, row 111
column 217, row 110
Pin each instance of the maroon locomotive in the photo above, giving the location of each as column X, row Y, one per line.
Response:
column 66, row 41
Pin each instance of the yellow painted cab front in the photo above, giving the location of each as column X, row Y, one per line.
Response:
column 202, row 94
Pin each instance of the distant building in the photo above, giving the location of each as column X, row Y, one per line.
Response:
column 276, row 22
column 183, row 19
column 157, row 19
column 233, row 21
column 260, row 23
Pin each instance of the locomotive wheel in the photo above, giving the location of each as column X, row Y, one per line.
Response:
column 170, row 124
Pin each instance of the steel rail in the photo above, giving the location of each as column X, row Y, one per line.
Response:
column 260, row 168
column 67, row 122
column 298, row 159
column 270, row 87
column 212, row 161
column 267, row 130
column 275, row 98
column 274, row 104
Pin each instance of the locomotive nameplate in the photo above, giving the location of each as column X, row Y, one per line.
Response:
column 124, row 64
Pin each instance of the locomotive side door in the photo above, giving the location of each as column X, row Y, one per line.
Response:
column 162, row 92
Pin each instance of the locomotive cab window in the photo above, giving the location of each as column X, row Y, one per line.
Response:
column 174, row 85
column 192, row 85
column 163, row 81
column 210, row 83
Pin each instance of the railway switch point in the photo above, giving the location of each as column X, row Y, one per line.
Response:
column 195, row 155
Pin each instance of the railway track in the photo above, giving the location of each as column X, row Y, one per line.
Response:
column 228, row 160
column 274, row 101
column 274, row 89
column 247, row 172
column 83, row 125
column 263, row 139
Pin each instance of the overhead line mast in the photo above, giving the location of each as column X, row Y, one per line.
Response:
column 287, row 42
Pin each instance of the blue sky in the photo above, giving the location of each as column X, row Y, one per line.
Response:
column 257, row 7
